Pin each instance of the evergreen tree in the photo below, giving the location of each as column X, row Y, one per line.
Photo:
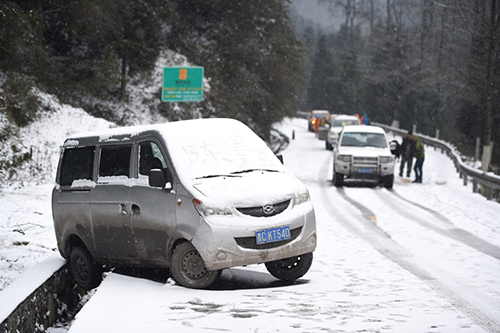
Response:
column 250, row 51
column 324, row 87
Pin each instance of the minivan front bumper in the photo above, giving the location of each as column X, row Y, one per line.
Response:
column 223, row 244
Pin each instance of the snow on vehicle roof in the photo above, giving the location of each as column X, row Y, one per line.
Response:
column 199, row 147
column 345, row 116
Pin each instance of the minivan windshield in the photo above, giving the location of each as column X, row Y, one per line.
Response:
column 210, row 148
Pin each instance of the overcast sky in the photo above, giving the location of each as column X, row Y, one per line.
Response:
column 318, row 12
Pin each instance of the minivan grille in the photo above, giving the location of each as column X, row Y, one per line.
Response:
column 251, row 242
column 266, row 210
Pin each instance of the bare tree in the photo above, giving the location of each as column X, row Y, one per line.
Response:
column 481, row 19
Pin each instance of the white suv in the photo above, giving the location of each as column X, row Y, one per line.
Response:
column 363, row 154
column 336, row 125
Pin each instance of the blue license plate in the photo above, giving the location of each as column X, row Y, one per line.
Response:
column 365, row 170
column 272, row 235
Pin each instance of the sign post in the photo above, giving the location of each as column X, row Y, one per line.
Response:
column 182, row 84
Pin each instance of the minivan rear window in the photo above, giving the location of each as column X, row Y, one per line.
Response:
column 115, row 161
column 77, row 164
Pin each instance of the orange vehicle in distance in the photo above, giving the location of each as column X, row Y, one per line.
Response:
column 315, row 116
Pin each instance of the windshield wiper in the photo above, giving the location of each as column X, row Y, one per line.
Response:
column 214, row 176
column 252, row 170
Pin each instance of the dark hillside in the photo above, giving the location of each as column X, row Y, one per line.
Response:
column 88, row 52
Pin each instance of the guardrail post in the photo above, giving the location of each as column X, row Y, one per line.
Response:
column 478, row 148
column 474, row 186
column 489, row 193
column 465, row 179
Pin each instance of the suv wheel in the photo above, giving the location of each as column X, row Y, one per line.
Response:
column 290, row 268
column 188, row 268
column 389, row 181
column 338, row 179
column 86, row 271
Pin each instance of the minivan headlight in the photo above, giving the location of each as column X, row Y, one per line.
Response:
column 302, row 197
column 386, row 159
column 205, row 210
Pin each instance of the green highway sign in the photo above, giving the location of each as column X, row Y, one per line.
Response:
column 182, row 84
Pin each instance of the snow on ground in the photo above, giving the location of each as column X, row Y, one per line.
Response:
column 350, row 287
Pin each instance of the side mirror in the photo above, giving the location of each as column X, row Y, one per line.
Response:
column 280, row 157
column 156, row 178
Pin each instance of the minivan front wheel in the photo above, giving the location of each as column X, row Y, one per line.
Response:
column 85, row 270
column 188, row 268
column 290, row 268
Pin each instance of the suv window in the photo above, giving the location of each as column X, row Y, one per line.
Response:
column 115, row 161
column 353, row 139
column 150, row 157
column 77, row 163
column 345, row 122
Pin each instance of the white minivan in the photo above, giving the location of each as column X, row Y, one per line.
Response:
column 195, row 196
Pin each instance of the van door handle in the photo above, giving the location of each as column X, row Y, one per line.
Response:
column 123, row 209
column 136, row 210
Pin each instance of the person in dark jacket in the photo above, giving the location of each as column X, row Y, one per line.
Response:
column 420, row 156
column 407, row 150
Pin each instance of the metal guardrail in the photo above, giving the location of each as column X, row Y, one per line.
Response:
column 486, row 183
column 303, row 114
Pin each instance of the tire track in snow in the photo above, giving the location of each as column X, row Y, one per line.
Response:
column 449, row 231
column 483, row 314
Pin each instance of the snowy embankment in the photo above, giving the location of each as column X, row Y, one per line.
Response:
column 26, row 229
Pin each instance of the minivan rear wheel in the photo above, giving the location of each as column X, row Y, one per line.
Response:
column 188, row 268
column 85, row 270
column 290, row 268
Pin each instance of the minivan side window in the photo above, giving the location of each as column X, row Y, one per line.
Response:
column 76, row 164
column 150, row 157
column 115, row 161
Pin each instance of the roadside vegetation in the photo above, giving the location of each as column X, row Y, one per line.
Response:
column 430, row 63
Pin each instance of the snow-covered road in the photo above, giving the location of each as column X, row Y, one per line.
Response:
column 418, row 258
